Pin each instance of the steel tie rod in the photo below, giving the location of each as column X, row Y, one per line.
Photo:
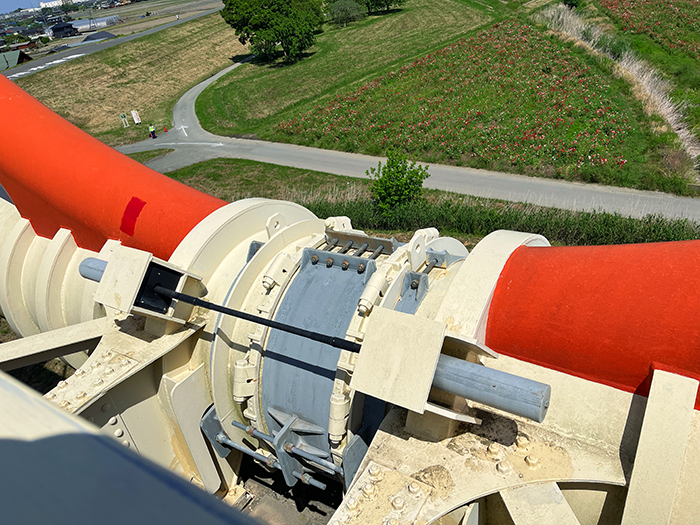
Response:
column 335, row 342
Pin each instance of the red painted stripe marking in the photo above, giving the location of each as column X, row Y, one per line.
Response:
column 131, row 214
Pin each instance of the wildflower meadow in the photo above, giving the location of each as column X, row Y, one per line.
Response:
column 508, row 97
column 674, row 24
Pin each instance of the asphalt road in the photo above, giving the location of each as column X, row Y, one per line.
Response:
column 75, row 52
column 193, row 144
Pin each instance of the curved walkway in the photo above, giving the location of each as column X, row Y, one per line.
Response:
column 193, row 144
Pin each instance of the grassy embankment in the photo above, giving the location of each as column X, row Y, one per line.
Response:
column 465, row 218
column 666, row 34
column 480, row 103
column 148, row 74
column 254, row 98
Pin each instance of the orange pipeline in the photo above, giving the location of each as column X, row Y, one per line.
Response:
column 60, row 177
column 608, row 314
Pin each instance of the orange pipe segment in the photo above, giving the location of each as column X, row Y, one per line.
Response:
column 608, row 314
column 60, row 177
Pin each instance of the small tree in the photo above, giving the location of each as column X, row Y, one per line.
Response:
column 397, row 182
column 344, row 11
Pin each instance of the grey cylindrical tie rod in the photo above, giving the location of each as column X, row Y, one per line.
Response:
column 510, row 393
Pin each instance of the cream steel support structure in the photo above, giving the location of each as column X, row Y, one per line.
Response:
column 421, row 415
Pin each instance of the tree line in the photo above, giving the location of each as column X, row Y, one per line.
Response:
column 293, row 24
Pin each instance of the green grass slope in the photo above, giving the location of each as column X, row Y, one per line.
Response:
column 255, row 97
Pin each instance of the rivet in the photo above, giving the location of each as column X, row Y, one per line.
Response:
column 413, row 487
column 493, row 449
column 108, row 353
column 106, row 407
column 50, row 395
column 522, row 442
column 375, row 473
column 503, row 467
column 64, row 404
column 96, row 364
column 329, row 262
column 126, row 443
column 360, row 268
column 531, row 461
column 91, row 419
column 124, row 362
column 98, row 381
column 398, row 503
column 344, row 265
column 80, row 395
column 118, row 433
column 61, row 384
column 80, row 372
column 369, row 491
column 352, row 504
column 110, row 370
column 112, row 420
column 314, row 259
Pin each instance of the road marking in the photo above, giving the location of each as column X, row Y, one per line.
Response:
column 183, row 128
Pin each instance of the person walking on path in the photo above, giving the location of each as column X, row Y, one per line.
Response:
column 152, row 131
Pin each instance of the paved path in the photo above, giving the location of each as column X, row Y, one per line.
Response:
column 76, row 52
column 194, row 144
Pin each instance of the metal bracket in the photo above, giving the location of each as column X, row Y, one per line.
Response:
column 413, row 290
column 444, row 258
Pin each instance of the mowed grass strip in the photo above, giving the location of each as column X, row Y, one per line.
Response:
column 508, row 98
column 148, row 74
column 252, row 99
column 463, row 217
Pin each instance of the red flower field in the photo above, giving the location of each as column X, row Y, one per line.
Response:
column 508, row 95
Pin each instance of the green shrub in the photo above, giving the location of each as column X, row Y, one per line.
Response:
column 396, row 183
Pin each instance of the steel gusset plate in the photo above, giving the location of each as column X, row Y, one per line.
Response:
column 297, row 373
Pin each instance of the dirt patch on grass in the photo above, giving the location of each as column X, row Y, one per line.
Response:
column 148, row 74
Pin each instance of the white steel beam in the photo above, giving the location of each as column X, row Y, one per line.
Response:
column 661, row 449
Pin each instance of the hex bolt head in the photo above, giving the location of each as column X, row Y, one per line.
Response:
column 413, row 488
column 50, row 395
column 64, row 404
column 531, row 461
column 314, row 259
column 344, row 265
column 521, row 442
column 398, row 503
column 81, row 395
column 503, row 467
column 493, row 449
column 369, row 491
column 360, row 268
column 329, row 262
column 110, row 370
column 125, row 362
column 98, row 381
column 414, row 284
column 352, row 504
column 61, row 384
column 375, row 473
column 80, row 372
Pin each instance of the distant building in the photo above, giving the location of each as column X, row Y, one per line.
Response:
column 12, row 58
column 63, row 30
column 92, row 24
